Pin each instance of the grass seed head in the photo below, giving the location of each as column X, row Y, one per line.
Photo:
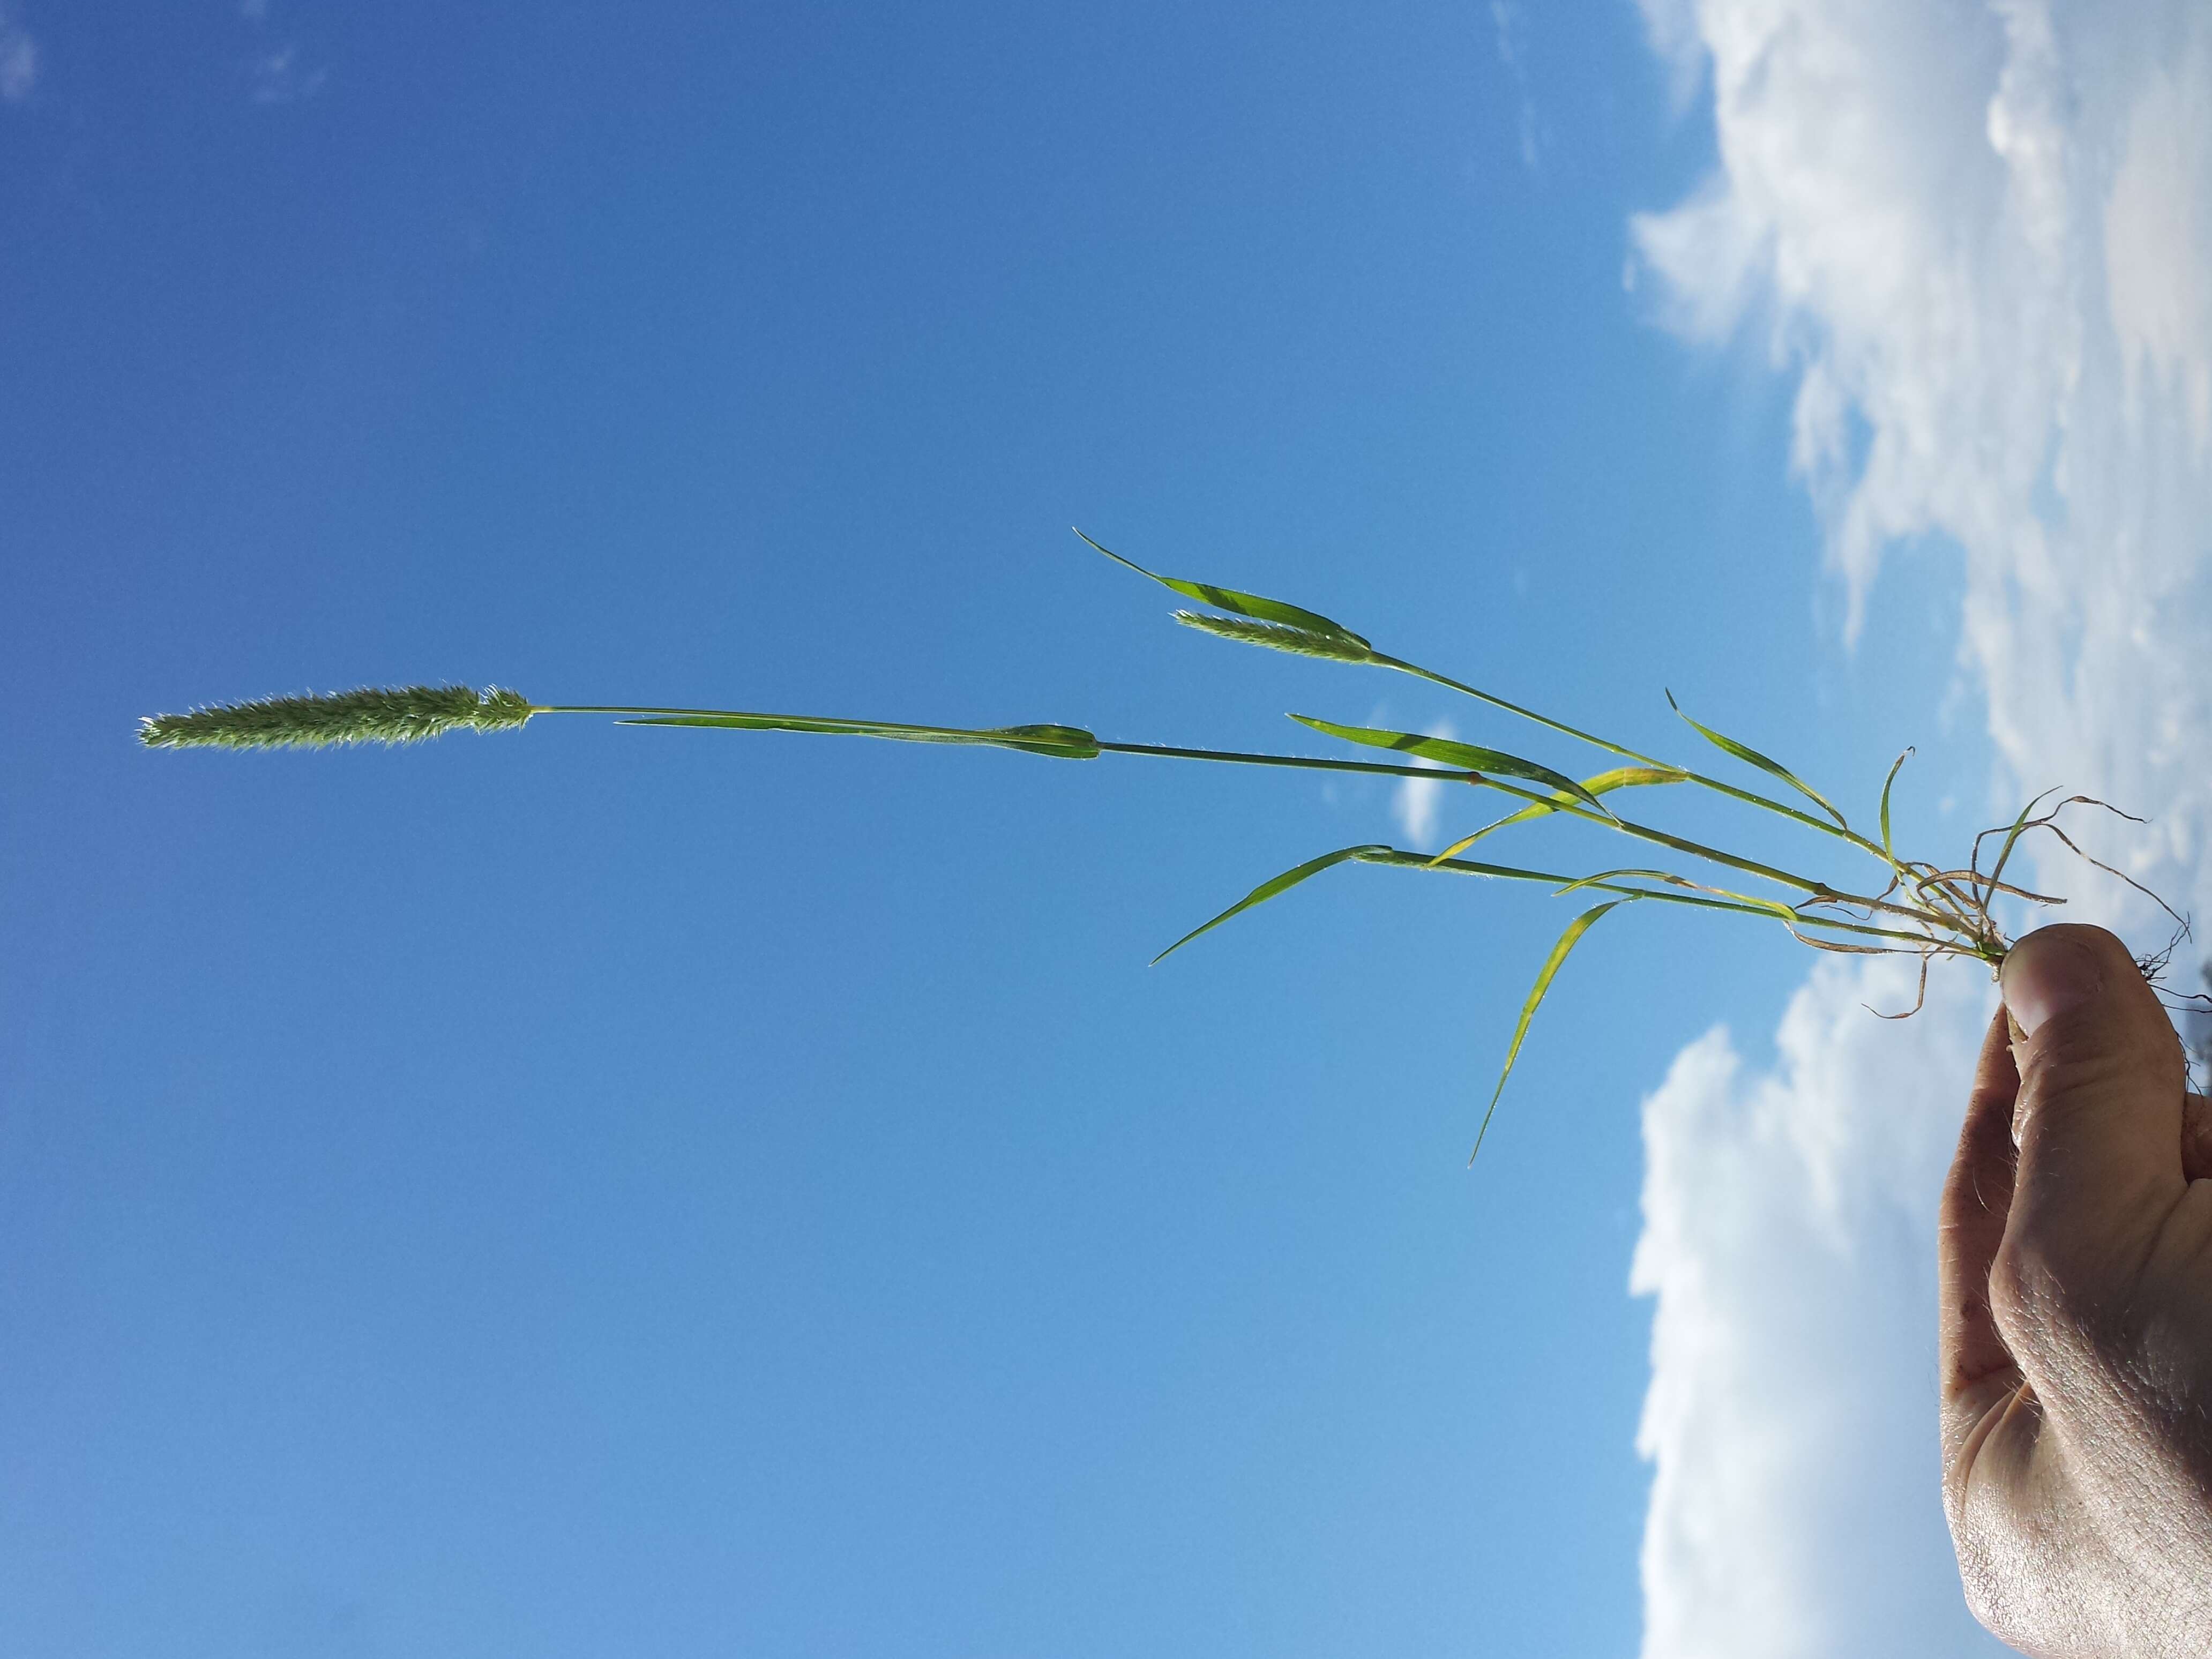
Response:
column 394, row 714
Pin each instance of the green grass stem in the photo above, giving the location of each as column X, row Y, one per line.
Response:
column 1924, row 909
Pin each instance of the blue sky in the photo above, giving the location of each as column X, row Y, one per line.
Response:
column 697, row 1193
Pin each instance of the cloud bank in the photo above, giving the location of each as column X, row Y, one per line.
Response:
column 1976, row 234
column 1787, row 1228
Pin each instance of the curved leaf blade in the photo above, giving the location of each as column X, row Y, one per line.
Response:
column 1239, row 602
column 1991, row 883
column 1888, row 848
column 1269, row 888
column 1550, row 971
column 1746, row 753
column 1461, row 756
column 1062, row 741
column 1600, row 876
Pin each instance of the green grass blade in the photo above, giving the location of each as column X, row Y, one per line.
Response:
column 1065, row 742
column 1463, row 757
column 1707, row 899
column 1550, row 971
column 1307, row 633
column 1241, row 603
column 1270, row 889
column 1621, row 777
column 1773, row 767
column 1276, row 636
column 1301, row 620
column 1888, row 848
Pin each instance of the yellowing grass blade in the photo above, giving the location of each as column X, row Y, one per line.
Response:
column 1621, row 777
column 1065, row 742
column 1465, row 756
column 1746, row 753
column 1774, row 908
column 1580, row 925
column 1241, row 603
column 1268, row 889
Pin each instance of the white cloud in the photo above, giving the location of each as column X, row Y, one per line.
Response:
column 1787, row 1226
column 19, row 59
column 1978, row 235
column 1506, row 18
column 1418, row 802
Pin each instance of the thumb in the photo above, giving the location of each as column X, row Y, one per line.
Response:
column 2098, row 1118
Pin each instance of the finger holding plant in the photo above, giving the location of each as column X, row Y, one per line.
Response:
column 1910, row 907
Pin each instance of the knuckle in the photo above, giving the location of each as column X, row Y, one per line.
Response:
column 2033, row 1290
column 2054, row 1301
column 2019, row 1284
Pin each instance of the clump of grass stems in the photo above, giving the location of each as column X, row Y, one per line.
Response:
column 1908, row 907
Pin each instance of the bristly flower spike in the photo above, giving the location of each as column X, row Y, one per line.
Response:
column 394, row 714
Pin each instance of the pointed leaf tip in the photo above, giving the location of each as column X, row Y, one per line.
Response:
column 1888, row 848
column 1273, row 886
column 1580, row 925
column 1751, row 757
column 1239, row 602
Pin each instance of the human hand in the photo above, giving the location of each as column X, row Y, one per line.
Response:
column 2075, row 1331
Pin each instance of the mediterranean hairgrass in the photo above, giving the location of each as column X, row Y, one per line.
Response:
column 1904, row 907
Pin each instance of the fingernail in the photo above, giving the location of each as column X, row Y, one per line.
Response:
column 2046, row 976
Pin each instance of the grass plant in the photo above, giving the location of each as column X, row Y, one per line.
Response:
column 1928, row 910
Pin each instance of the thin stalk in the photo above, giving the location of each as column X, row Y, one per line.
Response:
column 1628, row 826
column 1241, row 757
column 1697, row 850
column 1819, row 889
column 1470, row 868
